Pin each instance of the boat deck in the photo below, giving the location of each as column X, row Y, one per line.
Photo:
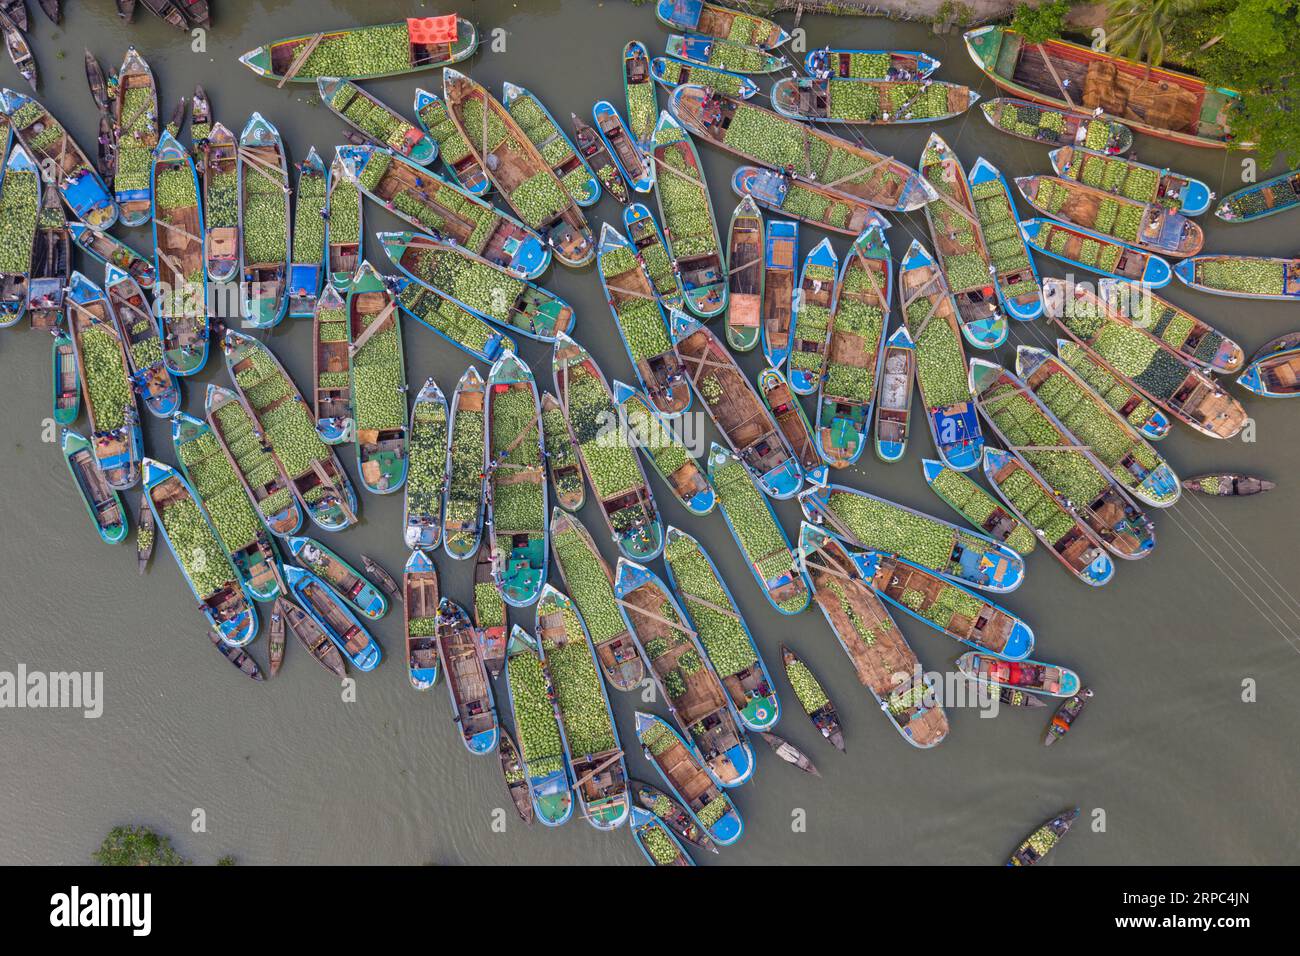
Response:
column 990, row 629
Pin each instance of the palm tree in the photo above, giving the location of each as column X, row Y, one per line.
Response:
column 1137, row 28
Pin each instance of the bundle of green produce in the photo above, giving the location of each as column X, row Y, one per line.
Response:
column 703, row 595
column 561, row 459
column 378, row 399
column 465, row 485
column 668, row 454
column 1141, row 414
column 20, row 203
column 552, row 143
column 308, row 223
column 865, row 101
column 673, row 72
column 539, row 734
column 1115, row 175
column 640, row 320
column 689, row 227
column 437, row 122
column 457, row 324
column 940, row 358
column 264, row 221
column 589, row 586
column 997, row 221
column 221, row 190
column 853, row 322
column 427, row 459
column 221, row 493
column 659, row 844
column 760, row 538
column 105, row 378
column 259, row 469
column 1039, row 508
column 639, row 89
column 883, row 526
column 136, row 139
column 483, row 288
column 812, row 697
column 976, row 505
column 363, row 52
column 489, row 609
column 578, row 692
column 196, row 547
column 610, row 462
column 1247, row 276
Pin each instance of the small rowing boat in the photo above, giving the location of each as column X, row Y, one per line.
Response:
column 66, row 397
column 264, row 479
column 657, row 843
column 977, row 506
column 20, row 51
column 677, row 762
column 562, row 465
column 780, row 250
column 1227, row 485
column 639, row 94
column 542, row 130
column 812, row 698
column 591, row 147
column 343, row 204
column 790, row 754
column 1150, row 226
column 1057, row 127
column 381, row 577
column 790, row 417
column 457, row 158
column 334, row 618
column 264, row 223
column 426, row 474
column 652, row 252
column 472, row 705
column 995, row 210
column 275, row 640
column 894, row 399
column 870, row 102
column 870, row 64
column 723, row 54
column 672, row 815
column 1033, row 676
column 1065, row 715
column 243, row 661
column 51, row 262
column 178, row 258
column 312, row 637
column 516, row 777
column 346, row 581
column 805, row 201
column 219, row 167
column 375, row 120
column 378, row 382
column 671, row 73
column 489, row 613
column 102, row 502
column 110, row 250
column 745, row 275
column 420, row 619
column 462, row 523
column 660, row 445
column 628, row 154
column 1274, row 372
column 1039, row 843
column 308, row 254
column 1266, row 198
column 1245, row 277
column 145, row 536
column 1090, row 250
column 16, row 12
column 530, row 692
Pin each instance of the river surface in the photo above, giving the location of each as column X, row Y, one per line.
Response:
column 1169, row 763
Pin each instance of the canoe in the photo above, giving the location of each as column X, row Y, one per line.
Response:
column 219, row 168
column 20, row 196
column 1133, row 180
column 1040, row 842
column 588, row 578
column 1150, row 422
column 375, row 120
column 688, row 780
column 790, row 753
column 211, row 578
column 871, row 64
column 790, row 417
column 264, row 223
column 542, row 130
column 659, row 443
column 366, row 52
column 423, row 624
column 711, row 611
column 343, row 226
column 960, row 248
column 769, row 139
column 870, row 102
column 1159, row 102
column 480, row 286
column 562, row 465
column 200, row 124
column 102, row 502
column 311, row 636
column 672, row 815
column 451, row 322
column 1131, row 462
column 281, row 417
column 135, row 130
column 1168, row 380
column 1033, row 676
column 641, row 324
column 16, row 10
column 671, row 73
column 1060, row 723
column 1074, row 544
column 608, row 458
column 1258, row 200
column 715, row 20
column 489, row 614
column 805, row 202
column 413, row 193
column 757, row 533
column 735, row 408
column 47, row 141
column 867, row 521
column 723, row 54
column 586, row 723
column 125, row 9
column 1148, row 226
column 51, row 267
column 381, row 577
column 632, row 161
column 651, row 249
column 940, row 359
column 243, row 661
column 639, row 94
column 1228, row 484
column 426, row 475
column 66, row 391
column 110, row 250
column 169, row 11
column 517, row 509
column 516, row 777
column 343, row 579
column 984, row 512
column 106, row 389
column 528, row 688
column 462, row 523
column 20, row 52
column 658, row 844
column 461, row 165
column 1093, row 251
column 1016, row 275
column 333, row 617
column 275, row 640
column 241, row 438
column 894, row 397
column 221, row 493
column 332, row 382
column 378, row 382
column 812, row 698
column 855, row 350
column 745, row 275
column 814, row 298
column 690, row 230
column 1245, row 277
column 780, row 249
column 145, row 536
column 591, row 147
column 1051, row 127
column 307, row 257
column 511, row 161
column 472, row 705
column 1274, row 371
column 177, row 217
column 882, row 659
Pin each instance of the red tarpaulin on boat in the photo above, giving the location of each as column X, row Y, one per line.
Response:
column 432, row 30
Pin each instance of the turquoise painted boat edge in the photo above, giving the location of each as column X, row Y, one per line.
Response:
column 70, row 443
column 823, row 254
column 643, row 721
column 512, row 91
column 983, row 171
column 302, row 301
column 519, row 638
column 1070, row 682
column 376, row 606
column 644, row 819
column 365, row 660
column 258, row 125
column 1156, row 274
column 467, row 380
column 623, row 393
column 659, row 66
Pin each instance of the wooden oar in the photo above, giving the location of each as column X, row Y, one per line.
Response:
column 177, row 229
column 372, row 328
column 865, row 174
column 655, row 617
column 613, row 758
column 300, row 58
column 1047, row 61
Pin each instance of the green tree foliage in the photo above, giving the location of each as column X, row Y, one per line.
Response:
column 1043, row 22
column 136, row 846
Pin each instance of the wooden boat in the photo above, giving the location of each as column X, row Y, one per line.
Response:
column 672, row 815
column 1228, row 484
column 188, row 533
column 243, row 661
column 1133, row 180
column 316, row 477
column 490, row 634
column 1090, row 250
column 805, row 202
column 735, row 408
column 46, row 140
column 969, row 499
column 608, row 458
column 1033, row 676
column 332, row 392
column 1169, row 381
column 639, row 94
column 102, row 502
column 312, row 637
column 545, row 133
column 641, row 324
column 66, row 393
column 1150, row 422
column 1016, row 276
column 375, row 120
column 1245, row 277
column 125, row 9
column 790, row 417
column 176, row 120
column 145, row 536
column 1039, row 843
column 870, row 64
column 658, row 844
column 1274, row 371
column 264, row 219
column 1065, row 715
column 894, row 398
column 1027, row 427
column 200, row 124
column 882, row 659
column 688, row 780
column 381, row 577
column 275, row 641
column 529, row 690
column 169, row 11
column 219, row 168
column 178, row 258
column 346, row 581
column 627, row 152
column 939, row 359
column 1148, row 226
column 514, row 304
column 1261, row 199
column 690, row 230
column 333, row 617
column 20, row 193
column 410, row 47
column 757, row 533
column 652, row 251
column 780, row 249
column 1159, row 102
column 516, row 482
column 135, row 130
column 867, row 521
column 106, row 151
column 343, row 227
column 562, row 465
column 308, row 254
column 137, row 326
column 745, row 275
column 413, row 193
column 790, row 754
column 671, row 73
column 221, row 493
column 472, row 705
column 51, row 263
column 116, row 434
column 467, row 462
column 421, row 620
column 516, row 777
column 587, row 576
column 1018, row 698
column 378, row 377
column 512, row 161
column 1051, row 127
column 457, row 159
column 812, row 698
column 1131, row 462
column 20, row 52
column 723, row 54
column 712, row 613
column 870, row 102
column 427, row 469
column 761, row 136
column 244, row 443
column 664, row 449
column 715, row 20
column 593, row 151
column 110, row 250
column 16, row 11
column 587, row 728
column 53, row 9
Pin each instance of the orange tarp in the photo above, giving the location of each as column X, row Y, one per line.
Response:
column 431, row 30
